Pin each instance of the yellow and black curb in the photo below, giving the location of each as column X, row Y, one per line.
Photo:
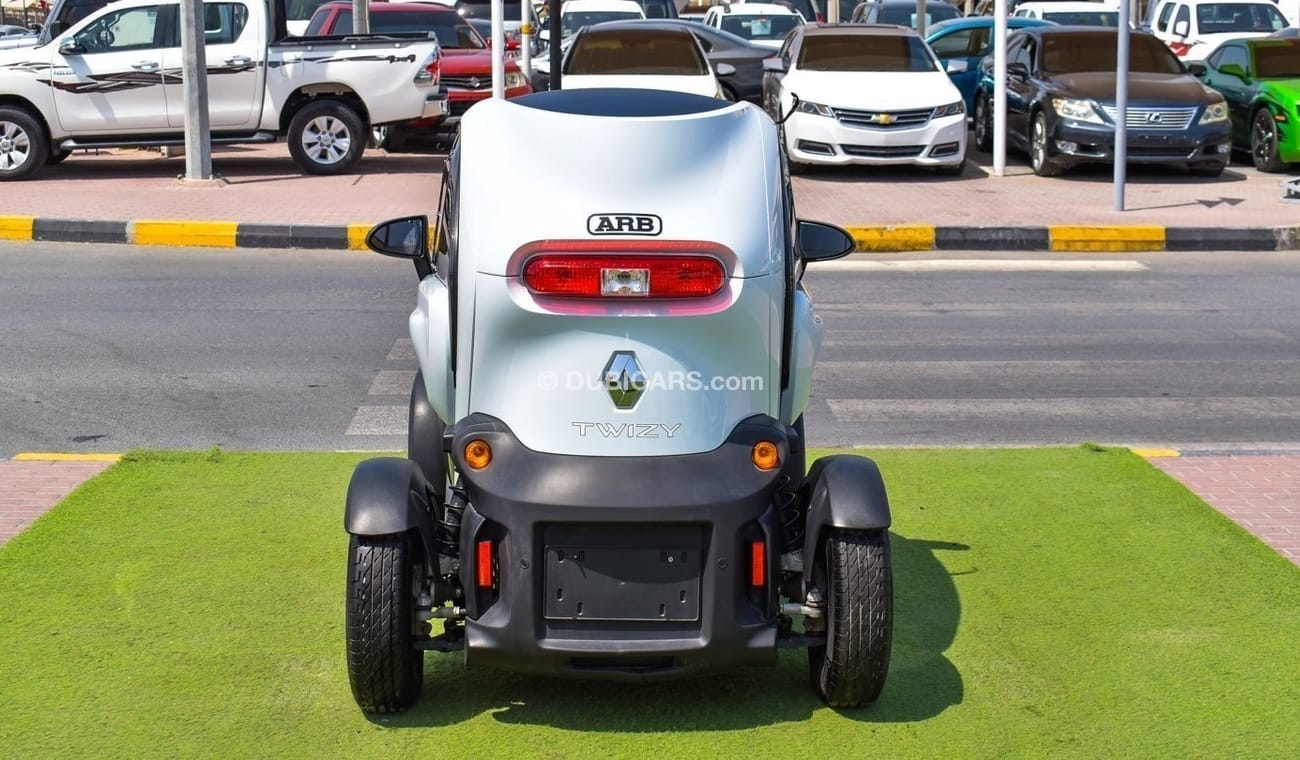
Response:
column 869, row 238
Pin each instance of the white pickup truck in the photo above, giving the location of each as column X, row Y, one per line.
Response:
column 113, row 79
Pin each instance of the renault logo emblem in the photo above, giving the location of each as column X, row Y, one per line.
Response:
column 624, row 379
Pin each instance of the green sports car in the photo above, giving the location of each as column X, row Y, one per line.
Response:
column 1260, row 79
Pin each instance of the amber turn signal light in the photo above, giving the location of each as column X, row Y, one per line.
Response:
column 478, row 454
column 765, row 455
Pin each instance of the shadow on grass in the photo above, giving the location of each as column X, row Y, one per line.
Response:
column 922, row 682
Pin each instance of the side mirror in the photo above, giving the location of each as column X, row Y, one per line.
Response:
column 1181, row 28
column 957, row 66
column 401, row 238
column 774, row 65
column 724, row 69
column 1196, row 69
column 818, row 241
column 70, row 47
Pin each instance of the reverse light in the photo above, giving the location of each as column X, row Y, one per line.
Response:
column 1077, row 110
column 952, row 109
column 765, row 455
column 816, row 109
column 483, row 562
column 579, row 275
column 1214, row 113
column 757, row 564
column 478, row 454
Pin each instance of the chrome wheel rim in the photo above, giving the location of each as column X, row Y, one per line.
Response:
column 1039, row 153
column 1265, row 139
column 15, row 146
column 981, row 118
column 327, row 140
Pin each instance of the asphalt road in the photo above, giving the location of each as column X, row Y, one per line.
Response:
column 106, row 348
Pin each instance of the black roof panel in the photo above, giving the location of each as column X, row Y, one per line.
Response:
column 621, row 102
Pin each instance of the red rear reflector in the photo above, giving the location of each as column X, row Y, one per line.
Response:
column 577, row 275
column 484, row 565
column 757, row 563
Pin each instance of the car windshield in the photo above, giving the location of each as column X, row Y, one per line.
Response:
column 636, row 52
column 574, row 20
column 1278, row 60
column 452, row 33
column 1231, row 18
column 1084, row 18
column 759, row 27
column 512, row 10
column 905, row 15
column 1077, row 53
column 865, row 52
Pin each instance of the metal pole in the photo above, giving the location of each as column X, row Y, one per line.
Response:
column 499, row 48
column 999, row 88
column 526, row 32
column 194, row 86
column 1121, row 107
column 553, row 26
column 920, row 17
column 832, row 11
column 361, row 16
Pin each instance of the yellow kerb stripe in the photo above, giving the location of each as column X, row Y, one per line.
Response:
column 357, row 236
column 1152, row 453
column 184, row 233
column 902, row 237
column 1119, row 238
column 55, row 456
column 16, row 227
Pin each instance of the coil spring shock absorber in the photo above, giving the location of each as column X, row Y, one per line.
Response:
column 449, row 517
column 787, row 510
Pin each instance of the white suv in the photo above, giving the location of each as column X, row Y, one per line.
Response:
column 1195, row 28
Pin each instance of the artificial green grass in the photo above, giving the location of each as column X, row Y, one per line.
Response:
column 1054, row 602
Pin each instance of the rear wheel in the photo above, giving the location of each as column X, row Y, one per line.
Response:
column 1263, row 142
column 326, row 137
column 983, row 124
column 384, row 667
column 23, row 147
column 853, row 569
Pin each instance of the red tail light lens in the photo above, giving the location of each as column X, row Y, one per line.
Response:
column 585, row 275
column 435, row 69
column 1180, row 48
column 757, row 564
column 483, row 565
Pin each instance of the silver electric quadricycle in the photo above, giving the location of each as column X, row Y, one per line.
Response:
column 606, row 474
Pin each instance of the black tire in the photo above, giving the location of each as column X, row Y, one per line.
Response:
column 384, row 667
column 424, row 431
column 327, row 137
column 23, row 145
column 1210, row 170
column 1040, row 148
column 728, row 93
column 57, row 156
column 1263, row 142
column 854, row 572
column 984, row 123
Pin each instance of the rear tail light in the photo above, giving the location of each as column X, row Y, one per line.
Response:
column 624, row 269
column 1180, row 48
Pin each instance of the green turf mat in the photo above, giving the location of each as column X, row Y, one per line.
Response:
column 1051, row 602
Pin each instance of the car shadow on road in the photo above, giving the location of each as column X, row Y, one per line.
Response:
column 922, row 682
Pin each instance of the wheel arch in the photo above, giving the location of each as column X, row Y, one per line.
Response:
column 312, row 93
column 389, row 496
column 842, row 491
column 18, row 101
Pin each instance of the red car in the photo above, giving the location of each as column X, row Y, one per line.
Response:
column 466, row 57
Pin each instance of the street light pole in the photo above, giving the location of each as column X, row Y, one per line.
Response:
column 499, row 48
column 1121, row 106
column 557, row 55
column 194, row 86
column 999, row 88
column 361, row 16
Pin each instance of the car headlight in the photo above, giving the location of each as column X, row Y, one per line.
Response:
column 515, row 79
column 1215, row 113
column 952, row 109
column 816, row 109
column 1078, row 110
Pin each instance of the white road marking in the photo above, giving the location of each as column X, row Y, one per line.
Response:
column 978, row 265
column 402, row 351
column 379, row 420
column 392, row 383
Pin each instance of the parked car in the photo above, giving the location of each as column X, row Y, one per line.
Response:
column 513, row 11
column 114, row 79
column 1061, row 103
column 650, row 55
column 744, row 57
column 466, row 59
column 575, row 14
column 903, row 12
column 969, row 39
column 1260, row 80
column 763, row 24
column 865, row 95
column 1195, row 28
column 8, row 30
column 658, row 8
column 1071, row 13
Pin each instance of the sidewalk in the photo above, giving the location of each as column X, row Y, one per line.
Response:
column 1259, row 492
column 267, row 203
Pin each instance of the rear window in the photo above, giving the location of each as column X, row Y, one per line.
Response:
column 451, row 31
column 571, row 22
column 865, row 52
column 1082, row 18
column 903, row 15
column 513, row 9
column 1277, row 60
column 636, row 52
column 759, row 27
column 1079, row 53
column 1232, row 18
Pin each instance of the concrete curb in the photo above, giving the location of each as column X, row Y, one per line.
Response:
column 869, row 238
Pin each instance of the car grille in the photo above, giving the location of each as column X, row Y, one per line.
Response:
column 469, row 82
column 883, row 151
column 1154, row 118
column 873, row 119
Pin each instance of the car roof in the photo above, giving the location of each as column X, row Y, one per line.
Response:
column 891, row 3
column 865, row 30
column 638, row 24
column 755, row 9
column 599, row 5
column 394, row 7
column 1068, row 6
column 975, row 22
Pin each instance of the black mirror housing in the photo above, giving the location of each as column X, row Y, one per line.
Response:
column 774, row 64
column 405, row 238
column 819, row 241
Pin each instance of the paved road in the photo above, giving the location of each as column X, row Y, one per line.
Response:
column 108, row 348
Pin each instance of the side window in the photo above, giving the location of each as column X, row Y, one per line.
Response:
column 1233, row 54
column 223, row 22
column 317, row 26
column 953, row 45
column 128, row 29
column 981, row 42
column 1184, row 17
column 1162, row 21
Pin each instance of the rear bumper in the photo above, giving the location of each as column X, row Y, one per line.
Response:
column 436, row 106
column 657, row 581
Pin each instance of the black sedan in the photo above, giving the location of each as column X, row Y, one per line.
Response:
column 725, row 47
column 1061, row 103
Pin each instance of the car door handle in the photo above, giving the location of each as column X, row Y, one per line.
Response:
column 145, row 65
column 238, row 60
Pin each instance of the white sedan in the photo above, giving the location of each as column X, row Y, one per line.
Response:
column 855, row 94
column 641, row 55
column 763, row 24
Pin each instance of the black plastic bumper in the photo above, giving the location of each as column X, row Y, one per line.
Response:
column 658, row 551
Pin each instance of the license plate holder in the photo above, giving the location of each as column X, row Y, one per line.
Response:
column 620, row 583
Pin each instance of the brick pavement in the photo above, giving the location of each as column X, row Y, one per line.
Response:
column 29, row 488
column 1259, row 492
